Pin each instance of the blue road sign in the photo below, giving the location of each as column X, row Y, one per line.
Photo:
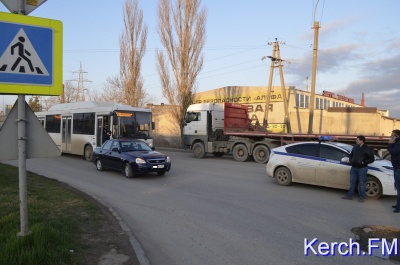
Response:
column 30, row 55
column 26, row 54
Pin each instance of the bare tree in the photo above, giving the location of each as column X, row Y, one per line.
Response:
column 181, row 27
column 132, row 49
column 34, row 104
column 48, row 102
column 112, row 91
column 71, row 93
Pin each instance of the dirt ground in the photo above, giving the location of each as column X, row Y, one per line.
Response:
column 377, row 231
column 109, row 245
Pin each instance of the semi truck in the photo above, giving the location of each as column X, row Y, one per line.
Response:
column 221, row 129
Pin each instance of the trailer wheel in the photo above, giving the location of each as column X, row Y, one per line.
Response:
column 240, row 153
column 198, row 150
column 261, row 154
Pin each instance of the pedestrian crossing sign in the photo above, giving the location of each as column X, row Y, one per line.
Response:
column 30, row 55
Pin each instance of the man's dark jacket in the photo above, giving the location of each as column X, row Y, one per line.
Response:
column 361, row 156
column 394, row 150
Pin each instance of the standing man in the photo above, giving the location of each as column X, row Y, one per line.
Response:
column 361, row 155
column 394, row 150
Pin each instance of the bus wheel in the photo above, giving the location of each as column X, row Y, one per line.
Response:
column 261, row 154
column 88, row 153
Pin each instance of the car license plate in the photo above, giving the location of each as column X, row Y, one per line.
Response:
column 160, row 166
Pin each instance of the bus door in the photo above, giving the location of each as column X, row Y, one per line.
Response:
column 99, row 136
column 102, row 126
column 66, row 134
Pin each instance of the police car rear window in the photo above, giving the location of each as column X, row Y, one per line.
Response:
column 303, row 149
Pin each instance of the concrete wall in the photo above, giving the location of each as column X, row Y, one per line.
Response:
column 166, row 132
column 342, row 123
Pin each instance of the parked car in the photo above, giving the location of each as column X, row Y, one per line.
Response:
column 326, row 164
column 132, row 157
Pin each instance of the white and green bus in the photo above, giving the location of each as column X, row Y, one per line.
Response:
column 77, row 128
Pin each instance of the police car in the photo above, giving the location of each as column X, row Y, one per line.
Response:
column 326, row 164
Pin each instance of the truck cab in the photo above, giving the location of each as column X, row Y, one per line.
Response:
column 203, row 122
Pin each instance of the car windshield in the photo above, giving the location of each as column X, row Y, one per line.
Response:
column 129, row 146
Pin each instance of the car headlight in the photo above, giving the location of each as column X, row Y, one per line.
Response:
column 140, row 161
column 168, row 159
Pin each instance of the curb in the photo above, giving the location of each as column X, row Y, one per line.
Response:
column 137, row 247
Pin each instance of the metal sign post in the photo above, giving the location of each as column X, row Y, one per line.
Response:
column 23, row 190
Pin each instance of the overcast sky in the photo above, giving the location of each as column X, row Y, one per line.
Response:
column 358, row 45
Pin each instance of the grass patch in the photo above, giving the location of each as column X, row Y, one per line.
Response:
column 59, row 218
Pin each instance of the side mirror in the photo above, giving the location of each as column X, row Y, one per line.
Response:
column 153, row 148
column 345, row 160
column 115, row 149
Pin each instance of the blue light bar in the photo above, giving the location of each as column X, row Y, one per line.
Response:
column 326, row 138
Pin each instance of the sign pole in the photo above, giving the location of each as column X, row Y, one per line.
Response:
column 23, row 187
column 23, row 190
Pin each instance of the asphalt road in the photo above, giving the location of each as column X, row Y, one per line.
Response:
column 218, row 211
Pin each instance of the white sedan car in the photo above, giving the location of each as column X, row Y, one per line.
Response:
column 326, row 164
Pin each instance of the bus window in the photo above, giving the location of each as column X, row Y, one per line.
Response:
column 143, row 121
column 84, row 123
column 53, row 123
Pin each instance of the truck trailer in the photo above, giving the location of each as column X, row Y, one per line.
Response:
column 224, row 129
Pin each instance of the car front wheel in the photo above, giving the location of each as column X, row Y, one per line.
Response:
column 128, row 171
column 99, row 165
column 283, row 176
column 373, row 188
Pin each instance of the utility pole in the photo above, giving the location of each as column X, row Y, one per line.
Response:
column 81, row 86
column 276, row 58
column 271, row 74
column 314, row 74
column 284, row 98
